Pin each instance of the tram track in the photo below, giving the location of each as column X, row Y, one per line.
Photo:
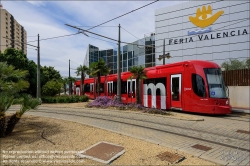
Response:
column 139, row 123
column 162, row 124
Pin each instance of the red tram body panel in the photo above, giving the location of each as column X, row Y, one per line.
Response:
column 191, row 86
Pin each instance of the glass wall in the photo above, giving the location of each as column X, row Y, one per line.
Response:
column 114, row 63
column 125, row 58
column 139, row 53
column 93, row 54
column 150, row 51
column 103, row 55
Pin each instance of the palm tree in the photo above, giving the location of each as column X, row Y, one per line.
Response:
column 11, row 82
column 81, row 70
column 138, row 73
column 97, row 69
column 5, row 102
column 70, row 80
column 64, row 82
column 27, row 103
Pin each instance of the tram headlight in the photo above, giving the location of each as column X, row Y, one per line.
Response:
column 227, row 102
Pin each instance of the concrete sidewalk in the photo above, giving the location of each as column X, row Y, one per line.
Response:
column 228, row 146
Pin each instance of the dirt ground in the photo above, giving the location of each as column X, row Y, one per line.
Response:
column 46, row 141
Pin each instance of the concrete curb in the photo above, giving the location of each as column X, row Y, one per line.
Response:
column 239, row 110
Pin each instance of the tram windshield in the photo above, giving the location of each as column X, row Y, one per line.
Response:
column 215, row 82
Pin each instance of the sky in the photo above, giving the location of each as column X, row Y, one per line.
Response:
column 48, row 19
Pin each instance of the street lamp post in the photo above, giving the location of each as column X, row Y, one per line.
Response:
column 69, row 80
column 38, row 70
column 118, row 66
column 163, row 51
column 164, row 55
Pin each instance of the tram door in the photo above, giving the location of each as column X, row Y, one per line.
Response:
column 131, row 89
column 176, row 91
column 91, row 87
column 110, row 88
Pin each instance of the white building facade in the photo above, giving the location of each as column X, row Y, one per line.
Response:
column 204, row 30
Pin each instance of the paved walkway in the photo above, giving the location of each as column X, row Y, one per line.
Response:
column 216, row 132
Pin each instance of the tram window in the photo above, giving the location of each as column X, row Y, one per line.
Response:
column 87, row 88
column 149, row 91
column 175, row 88
column 133, row 87
column 148, row 81
column 129, row 88
column 215, row 82
column 158, row 91
column 101, row 87
column 115, row 87
column 198, row 85
column 124, row 87
column 160, row 80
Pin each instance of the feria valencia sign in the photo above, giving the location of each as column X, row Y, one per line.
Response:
column 203, row 19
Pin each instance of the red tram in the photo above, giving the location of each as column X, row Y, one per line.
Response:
column 191, row 86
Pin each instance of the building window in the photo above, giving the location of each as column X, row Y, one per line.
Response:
column 148, row 65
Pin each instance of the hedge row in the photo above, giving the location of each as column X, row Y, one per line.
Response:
column 64, row 99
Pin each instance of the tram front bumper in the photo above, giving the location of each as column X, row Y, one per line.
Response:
column 222, row 110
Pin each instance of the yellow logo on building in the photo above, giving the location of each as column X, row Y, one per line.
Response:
column 205, row 18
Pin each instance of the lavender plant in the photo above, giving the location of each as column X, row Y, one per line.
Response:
column 156, row 111
column 104, row 102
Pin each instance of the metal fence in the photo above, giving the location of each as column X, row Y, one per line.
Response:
column 240, row 77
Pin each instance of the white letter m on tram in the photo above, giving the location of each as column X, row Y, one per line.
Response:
column 154, row 98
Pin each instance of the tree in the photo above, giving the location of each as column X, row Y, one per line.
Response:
column 15, row 58
column 138, row 73
column 248, row 63
column 233, row 64
column 65, row 81
column 48, row 74
column 2, row 57
column 6, row 101
column 32, row 78
column 11, row 82
column 70, row 80
column 52, row 88
column 20, row 61
column 27, row 103
column 97, row 69
column 82, row 70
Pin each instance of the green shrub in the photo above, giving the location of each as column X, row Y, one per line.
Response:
column 51, row 88
column 64, row 99
column 84, row 98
